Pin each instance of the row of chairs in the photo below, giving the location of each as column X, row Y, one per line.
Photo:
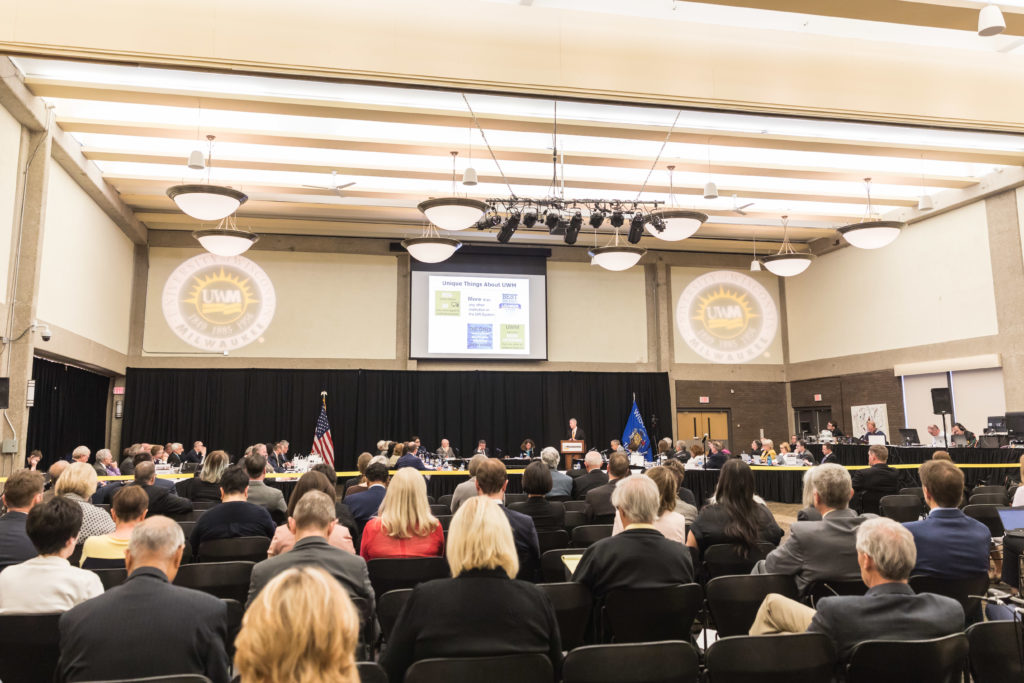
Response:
column 908, row 506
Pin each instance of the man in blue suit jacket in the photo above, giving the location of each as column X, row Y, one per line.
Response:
column 950, row 545
column 491, row 480
column 365, row 504
column 411, row 460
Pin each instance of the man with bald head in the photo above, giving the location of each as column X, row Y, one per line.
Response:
column 189, row 626
column 592, row 479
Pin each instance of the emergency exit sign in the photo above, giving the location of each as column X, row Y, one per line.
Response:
column 817, row 397
column 705, row 399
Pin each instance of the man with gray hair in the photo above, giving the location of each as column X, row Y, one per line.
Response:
column 189, row 626
column 467, row 489
column 561, row 483
column 826, row 549
column 640, row 556
column 105, row 466
column 890, row 610
column 592, row 479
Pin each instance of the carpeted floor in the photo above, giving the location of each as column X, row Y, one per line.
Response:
column 785, row 513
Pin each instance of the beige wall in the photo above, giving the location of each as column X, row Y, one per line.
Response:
column 328, row 305
column 934, row 284
column 86, row 271
column 10, row 145
column 595, row 315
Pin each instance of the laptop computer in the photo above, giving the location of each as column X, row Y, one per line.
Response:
column 960, row 440
column 1013, row 521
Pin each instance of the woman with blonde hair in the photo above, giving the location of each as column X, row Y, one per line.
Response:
column 207, row 485
column 483, row 611
column 670, row 523
column 768, row 451
column 302, row 627
column 396, row 454
column 403, row 526
column 78, row 483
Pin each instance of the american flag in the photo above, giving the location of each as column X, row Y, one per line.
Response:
column 322, row 442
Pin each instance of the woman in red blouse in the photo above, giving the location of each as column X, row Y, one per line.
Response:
column 404, row 526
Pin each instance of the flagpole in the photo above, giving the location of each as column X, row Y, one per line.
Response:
column 323, row 399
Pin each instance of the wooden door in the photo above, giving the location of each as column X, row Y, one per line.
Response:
column 692, row 425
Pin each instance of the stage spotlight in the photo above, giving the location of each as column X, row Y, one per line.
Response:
column 551, row 220
column 509, row 227
column 658, row 223
column 572, row 230
column 487, row 222
column 617, row 219
column 529, row 219
column 596, row 219
column 636, row 228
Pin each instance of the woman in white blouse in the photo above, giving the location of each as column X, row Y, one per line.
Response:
column 671, row 524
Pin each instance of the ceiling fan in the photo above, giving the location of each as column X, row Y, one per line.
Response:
column 739, row 209
column 334, row 187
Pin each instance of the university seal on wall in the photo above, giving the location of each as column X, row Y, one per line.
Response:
column 727, row 317
column 218, row 303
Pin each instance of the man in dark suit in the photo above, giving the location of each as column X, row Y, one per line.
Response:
column 411, row 459
column 950, row 545
column 491, row 480
column 716, row 456
column 364, row 505
column 820, row 550
column 878, row 480
column 187, row 628
column 481, row 448
column 600, row 498
column 890, row 610
column 827, row 455
column 592, row 479
column 278, row 458
column 195, row 455
column 640, row 556
column 22, row 492
column 312, row 522
column 575, row 431
column 162, row 501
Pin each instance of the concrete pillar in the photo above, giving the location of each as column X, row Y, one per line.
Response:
column 1004, row 241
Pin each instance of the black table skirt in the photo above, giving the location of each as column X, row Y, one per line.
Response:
column 857, row 454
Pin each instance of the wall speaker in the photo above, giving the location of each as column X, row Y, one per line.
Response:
column 5, row 392
column 942, row 403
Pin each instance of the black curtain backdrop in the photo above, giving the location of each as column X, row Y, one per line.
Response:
column 231, row 409
column 70, row 410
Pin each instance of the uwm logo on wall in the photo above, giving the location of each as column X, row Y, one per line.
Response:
column 218, row 303
column 727, row 317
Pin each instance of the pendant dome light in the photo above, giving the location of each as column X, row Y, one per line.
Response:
column 787, row 262
column 207, row 202
column 869, row 233
column 615, row 256
column 671, row 224
column 454, row 212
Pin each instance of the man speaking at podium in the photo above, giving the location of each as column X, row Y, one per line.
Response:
column 575, row 432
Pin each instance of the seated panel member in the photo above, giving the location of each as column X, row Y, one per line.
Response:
column 874, row 483
column 873, row 430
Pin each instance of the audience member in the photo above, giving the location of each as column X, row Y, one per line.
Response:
column 467, row 489
column 345, row 517
column 300, row 605
column 184, row 630
column 56, row 469
column 127, row 465
column 950, row 545
column 670, row 523
column 942, row 455
column 128, row 511
column 235, row 516
column 78, row 483
column 23, row 491
column 686, row 502
column 482, row 610
column 808, row 513
column 259, row 492
column 878, row 480
column 312, row 522
column 890, row 610
column 105, row 466
column 404, row 526
column 735, row 517
column 366, row 504
column 206, row 486
column 34, row 460
column 640, row 556
column 594, row 477
column 162, row 500
column 546, row 515
column 284, row 537
column 48, row 583
column 561, row 483
column 358, row 484
column 825, row 549
column 491, row 481
column 80, row 454
column 599, row 498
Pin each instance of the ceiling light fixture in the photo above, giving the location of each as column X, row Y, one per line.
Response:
column 755, row 265
column 787, row 262
column 636, row 228
column 431, row 249
column 509, row 227
column 671, row 224
column 206, row 202
column 925, row 203
column 991, row 21
column 196, row 160
column 453, row 213
column 572, row 229
column 871, row 233
column 226, row 239
column 710, row 189
column 615, row 256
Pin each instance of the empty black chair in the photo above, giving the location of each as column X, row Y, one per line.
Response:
column 445, row 520
column 573, row 519
column 828, row 587
column 511, row 498
column 663, row 662
column 788, row 658
column 577, row 506
column 388, row 574
column 204, row 504
column 938, row 660
column 446, row 500
column 508, row 669
column 550, row 540
column 29, row 647
column 724, row 559
column 913, row 491
column 228, row 580
column 588, row 534
column 241, row 549
column 431, row 501
column 111, row 577
column 371, row 672
column 901, row 508
column 173, row 678
column 190, row 516
column 552, row 568
column 102, row 563
column 637, row 615
column 572, row 602
column 437, row 509
column 988, row 515
column 995, row 651
column 960, row 590
column 734, row 600
column 987, row 489
column 389, row 606
column 236, row 610
column 186, row 528
column 988, row 498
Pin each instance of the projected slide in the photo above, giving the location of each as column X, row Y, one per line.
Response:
column 478, row 315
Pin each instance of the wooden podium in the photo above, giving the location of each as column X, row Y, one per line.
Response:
column 570, row 448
